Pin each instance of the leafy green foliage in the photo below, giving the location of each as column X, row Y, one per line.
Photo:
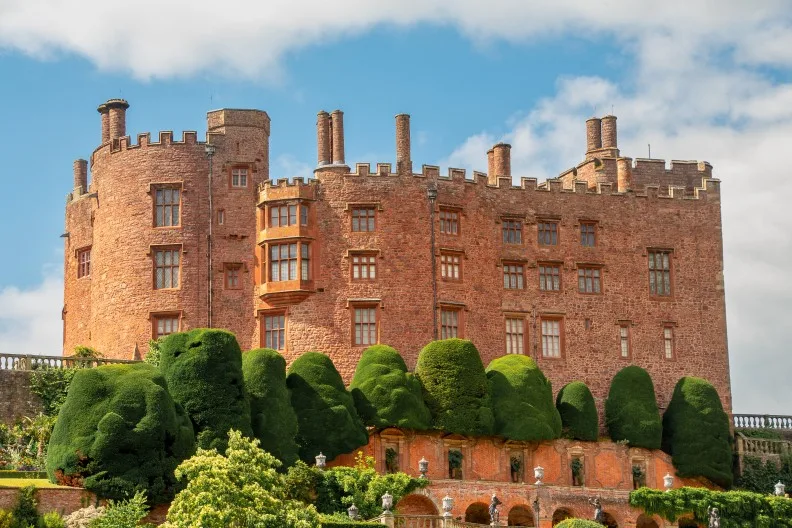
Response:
column 761, row 477
column 335, row 489
column 25, row 513
column 23, row 446
column 51, row 386
column 119, row 431
column 203, row 368
column 327, row 421
column 7, row 519
column 455, row 387
column 153, row 355
column 272, row 417
column 124, row 514
column 242, row 488
column 341, row 520
column 522, row 400
column 578, row 523
column 385, row 393
column 631, row 409
column 696, row 432
column 765, row 433
column 52, row 520
column 738, row 509
column 579, row 419
column 85, row 352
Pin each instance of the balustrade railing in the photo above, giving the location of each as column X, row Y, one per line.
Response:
column 418, row 521
column 763, row 446
column 762, row 421
column 33, row 362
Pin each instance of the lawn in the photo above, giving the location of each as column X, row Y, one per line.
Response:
column 21, row 483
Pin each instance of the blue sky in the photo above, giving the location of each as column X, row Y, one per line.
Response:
column 706, row 80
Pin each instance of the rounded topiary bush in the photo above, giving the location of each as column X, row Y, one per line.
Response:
column 578, row 523
column 119, row 431
column 385, row 393
column 579, row 419
column 631, row 409
column 522, row 400
column 696, row 432
column 455, row 387
column 327, row 421
column 272, row 418
column 203, row 368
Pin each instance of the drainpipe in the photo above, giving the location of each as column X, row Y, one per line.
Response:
column 431, row 193
column 210, row 150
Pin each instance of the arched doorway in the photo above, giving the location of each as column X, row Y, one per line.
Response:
column 610, row 522
column 561, row 514
column 415, row 504
column 687, row 522
column 478, row 512
column 644, row 521
column 521, row 515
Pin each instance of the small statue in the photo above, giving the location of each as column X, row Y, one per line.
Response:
column 714, row 518
column 493, row 509
column 599, row 515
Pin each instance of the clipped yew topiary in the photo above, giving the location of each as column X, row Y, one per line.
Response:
column 272, row 417
column 578, row 412
column 120, row 431
column 203, row 368
column 522, row 400
column 385, row 393
column 455, row 387
column 631, row 409
column 696, row 432
column 327, row 421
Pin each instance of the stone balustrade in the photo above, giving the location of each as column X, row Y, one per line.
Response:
column 34, row 362
column 762, row 421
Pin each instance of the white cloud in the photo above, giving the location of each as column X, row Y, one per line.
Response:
column 30, row 319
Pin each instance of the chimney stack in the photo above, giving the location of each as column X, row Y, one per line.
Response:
column 403, row 161
column 113, row 119
column 323, row 138
column 337, row 124
column 624, row 174
column 80, row 176
column 501, row 161
column 609, row 132
column 491, row 179
column 593, row 134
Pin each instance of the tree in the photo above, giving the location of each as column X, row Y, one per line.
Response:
column 696, row 432
column 119, row 431
column 240, row 489
column 124, row 514
column 631, row 409
column 272, row 418
column 203, row 368
column 385, row 393
column 327, row 421
column 522, row 400
column 579, row 419
column 455, row 387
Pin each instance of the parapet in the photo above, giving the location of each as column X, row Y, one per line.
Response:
column 283, row 189
column 216, row 120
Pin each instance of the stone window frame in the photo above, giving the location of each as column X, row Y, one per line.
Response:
column 578, row 452
column 274, row 312
column 153, row 249
column 445, row 252
column 669, row 328
column 522, row 316
column 300, row 259
column 248, row 172
column 459, row 309
column 593, row 266
column 521, row 274
column 83, row 268
column 239, row 267
column 625, row 324
column 353, row 206
column 372, row 253
column 355, row 304
column 557, row 317
column 155, row 317
column 671, row 275
column 152, row 191
column 595, row 227
column 463, row 445
column 550, row 264
column 455, row 221
column 520, row 220
column 548, row 220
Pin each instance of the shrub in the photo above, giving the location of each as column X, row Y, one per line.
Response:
column 123, row 514
column 84, row 517
column 203, row 368
column 118, row 431
column 52, row 520
column 522, row 400
column 241, row 488
column 25, row 511
column 272, row 418
column 578, row 412
column 696, row 432
column 578, row 523
column 341, row 520
column 7, row 519
column 85, row 352
column 385, row 393
column 631, row 409
column 153, row 355
column 455, row 387
column 327, row 421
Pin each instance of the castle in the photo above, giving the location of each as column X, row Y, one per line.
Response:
column 614, row 262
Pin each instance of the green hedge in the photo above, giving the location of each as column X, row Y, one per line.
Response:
column 578, row 523
column 455, row 387
column 631, row 409
column 120, row 431
column 203, row 368
column 696, row 432
column 385, row 393
column 522, row 400
column 13, row 474
column 272, row 418
column 327, row 421
column 579, row 419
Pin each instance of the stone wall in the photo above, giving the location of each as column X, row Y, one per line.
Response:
column 16, row 400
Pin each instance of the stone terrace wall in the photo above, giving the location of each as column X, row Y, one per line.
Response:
column 16, row 400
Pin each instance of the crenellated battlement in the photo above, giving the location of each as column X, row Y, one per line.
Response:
column 165, row 139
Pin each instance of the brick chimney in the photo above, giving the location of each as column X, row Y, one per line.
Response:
column 403, row 160
column 113, row 119
column 337, row 124
column 323, row 138
column 80, row 176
